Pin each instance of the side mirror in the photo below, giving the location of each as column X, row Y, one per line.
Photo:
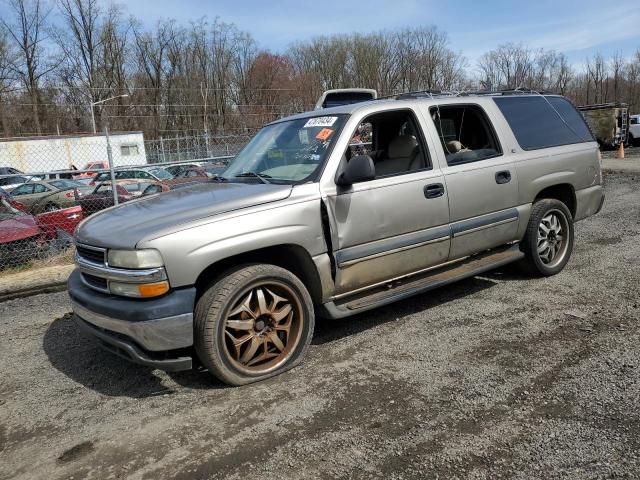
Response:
column 359, row 169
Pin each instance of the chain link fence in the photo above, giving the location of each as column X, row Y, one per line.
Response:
column 178, row 149
column 48, row 185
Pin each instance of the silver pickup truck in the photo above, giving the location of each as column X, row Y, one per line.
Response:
column 332, row 213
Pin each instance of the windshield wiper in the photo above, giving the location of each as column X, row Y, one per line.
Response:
column 259, row 176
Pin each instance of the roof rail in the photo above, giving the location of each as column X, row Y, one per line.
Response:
column 463, row 93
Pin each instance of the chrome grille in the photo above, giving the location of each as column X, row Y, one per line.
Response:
column 92, row 254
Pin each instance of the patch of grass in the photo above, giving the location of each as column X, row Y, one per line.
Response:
column 62, row 258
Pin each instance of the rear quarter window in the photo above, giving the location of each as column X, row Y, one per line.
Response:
column 544, row 121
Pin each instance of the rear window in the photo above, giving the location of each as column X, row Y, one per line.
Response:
column 336, row 99
column 542, row 122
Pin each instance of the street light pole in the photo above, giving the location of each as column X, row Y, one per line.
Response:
column 93, row 104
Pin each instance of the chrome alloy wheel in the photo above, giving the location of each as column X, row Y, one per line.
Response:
column 263, row 327
column 553, row 240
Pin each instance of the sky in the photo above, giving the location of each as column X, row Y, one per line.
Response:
column 578, row 28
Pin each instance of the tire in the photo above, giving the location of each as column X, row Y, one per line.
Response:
column 51, row 207
column 240, row 324
column 548, row 241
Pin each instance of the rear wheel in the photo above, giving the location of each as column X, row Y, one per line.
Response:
column 548, row 242
column 254, row 323
column 51, row 207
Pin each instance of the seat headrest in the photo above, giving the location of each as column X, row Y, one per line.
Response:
column 454, row 146
column 402, row 146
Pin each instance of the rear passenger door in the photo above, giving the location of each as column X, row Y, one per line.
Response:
column 480, row 178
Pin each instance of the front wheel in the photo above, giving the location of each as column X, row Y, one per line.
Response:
column 548, row 242
column 255, row 322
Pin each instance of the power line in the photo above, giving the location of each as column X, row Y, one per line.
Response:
column 168, row 89
column 148, row 105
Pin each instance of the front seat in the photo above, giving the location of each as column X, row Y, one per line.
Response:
column 403, row 155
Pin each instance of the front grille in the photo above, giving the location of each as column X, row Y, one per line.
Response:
column 95, row 282
column 91, row 255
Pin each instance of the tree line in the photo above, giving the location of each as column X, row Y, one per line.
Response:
column 59, row 57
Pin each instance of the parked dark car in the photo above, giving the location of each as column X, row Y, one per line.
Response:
column 214, row 170
column 177, row 170
column 9, row 171
column 102, row 195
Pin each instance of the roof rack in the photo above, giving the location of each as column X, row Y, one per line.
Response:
column 463, row 93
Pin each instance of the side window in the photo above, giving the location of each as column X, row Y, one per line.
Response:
column 37, row 188
column 132, row 187
column 634, row 120
column 465, row 132
column 152, row 189
column 393, row 141
column 128, row 150
column 26, row 189
column 541, row 122
column 361, row 140
column 104, row 189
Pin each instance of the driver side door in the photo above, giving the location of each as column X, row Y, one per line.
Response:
column 396, row 223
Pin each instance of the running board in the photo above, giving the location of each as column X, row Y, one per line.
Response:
column 412, row 285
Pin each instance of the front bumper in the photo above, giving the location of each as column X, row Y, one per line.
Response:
column 143, row 331
column 129, row 351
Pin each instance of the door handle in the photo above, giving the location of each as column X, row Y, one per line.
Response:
column 503, row 177
column 434, row 190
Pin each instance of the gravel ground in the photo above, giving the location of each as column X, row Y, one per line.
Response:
column 497, row 376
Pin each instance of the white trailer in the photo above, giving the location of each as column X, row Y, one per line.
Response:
column 69, row 152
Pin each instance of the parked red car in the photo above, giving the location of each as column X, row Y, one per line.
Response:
column 63, row 220
column 92, row 167
column 24, row 237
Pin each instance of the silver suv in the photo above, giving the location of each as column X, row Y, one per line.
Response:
column 333, row 213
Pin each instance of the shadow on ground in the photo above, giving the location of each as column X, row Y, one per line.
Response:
column 331, row 330
column 81, row 359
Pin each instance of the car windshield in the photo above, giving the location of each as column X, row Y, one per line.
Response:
column 287, row 152
column 161, row 173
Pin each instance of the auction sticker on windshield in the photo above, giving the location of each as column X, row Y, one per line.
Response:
column 320, row 122
column 323, row 134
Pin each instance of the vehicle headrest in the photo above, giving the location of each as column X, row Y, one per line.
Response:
column 454, row 146
column 402, row 146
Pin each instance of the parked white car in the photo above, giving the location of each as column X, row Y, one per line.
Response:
column 634, row 129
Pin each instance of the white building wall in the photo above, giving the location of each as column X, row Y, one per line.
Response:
column 44, row 154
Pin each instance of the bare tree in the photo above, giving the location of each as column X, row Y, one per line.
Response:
column 27, row 30
column 7, row 58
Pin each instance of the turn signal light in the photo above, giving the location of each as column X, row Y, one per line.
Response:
column 148, row 290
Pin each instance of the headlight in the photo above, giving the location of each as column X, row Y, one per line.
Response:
column 148, row 258
column 139, row 290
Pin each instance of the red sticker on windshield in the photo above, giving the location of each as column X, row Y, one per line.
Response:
column 323, row 134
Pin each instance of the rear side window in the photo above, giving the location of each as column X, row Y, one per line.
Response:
column 542, row 122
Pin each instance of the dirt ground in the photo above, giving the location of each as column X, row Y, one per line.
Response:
column 497, row 376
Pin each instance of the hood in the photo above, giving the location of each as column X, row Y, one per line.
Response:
column 127, row 224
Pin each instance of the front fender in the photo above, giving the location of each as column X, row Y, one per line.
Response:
column 189, row 252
